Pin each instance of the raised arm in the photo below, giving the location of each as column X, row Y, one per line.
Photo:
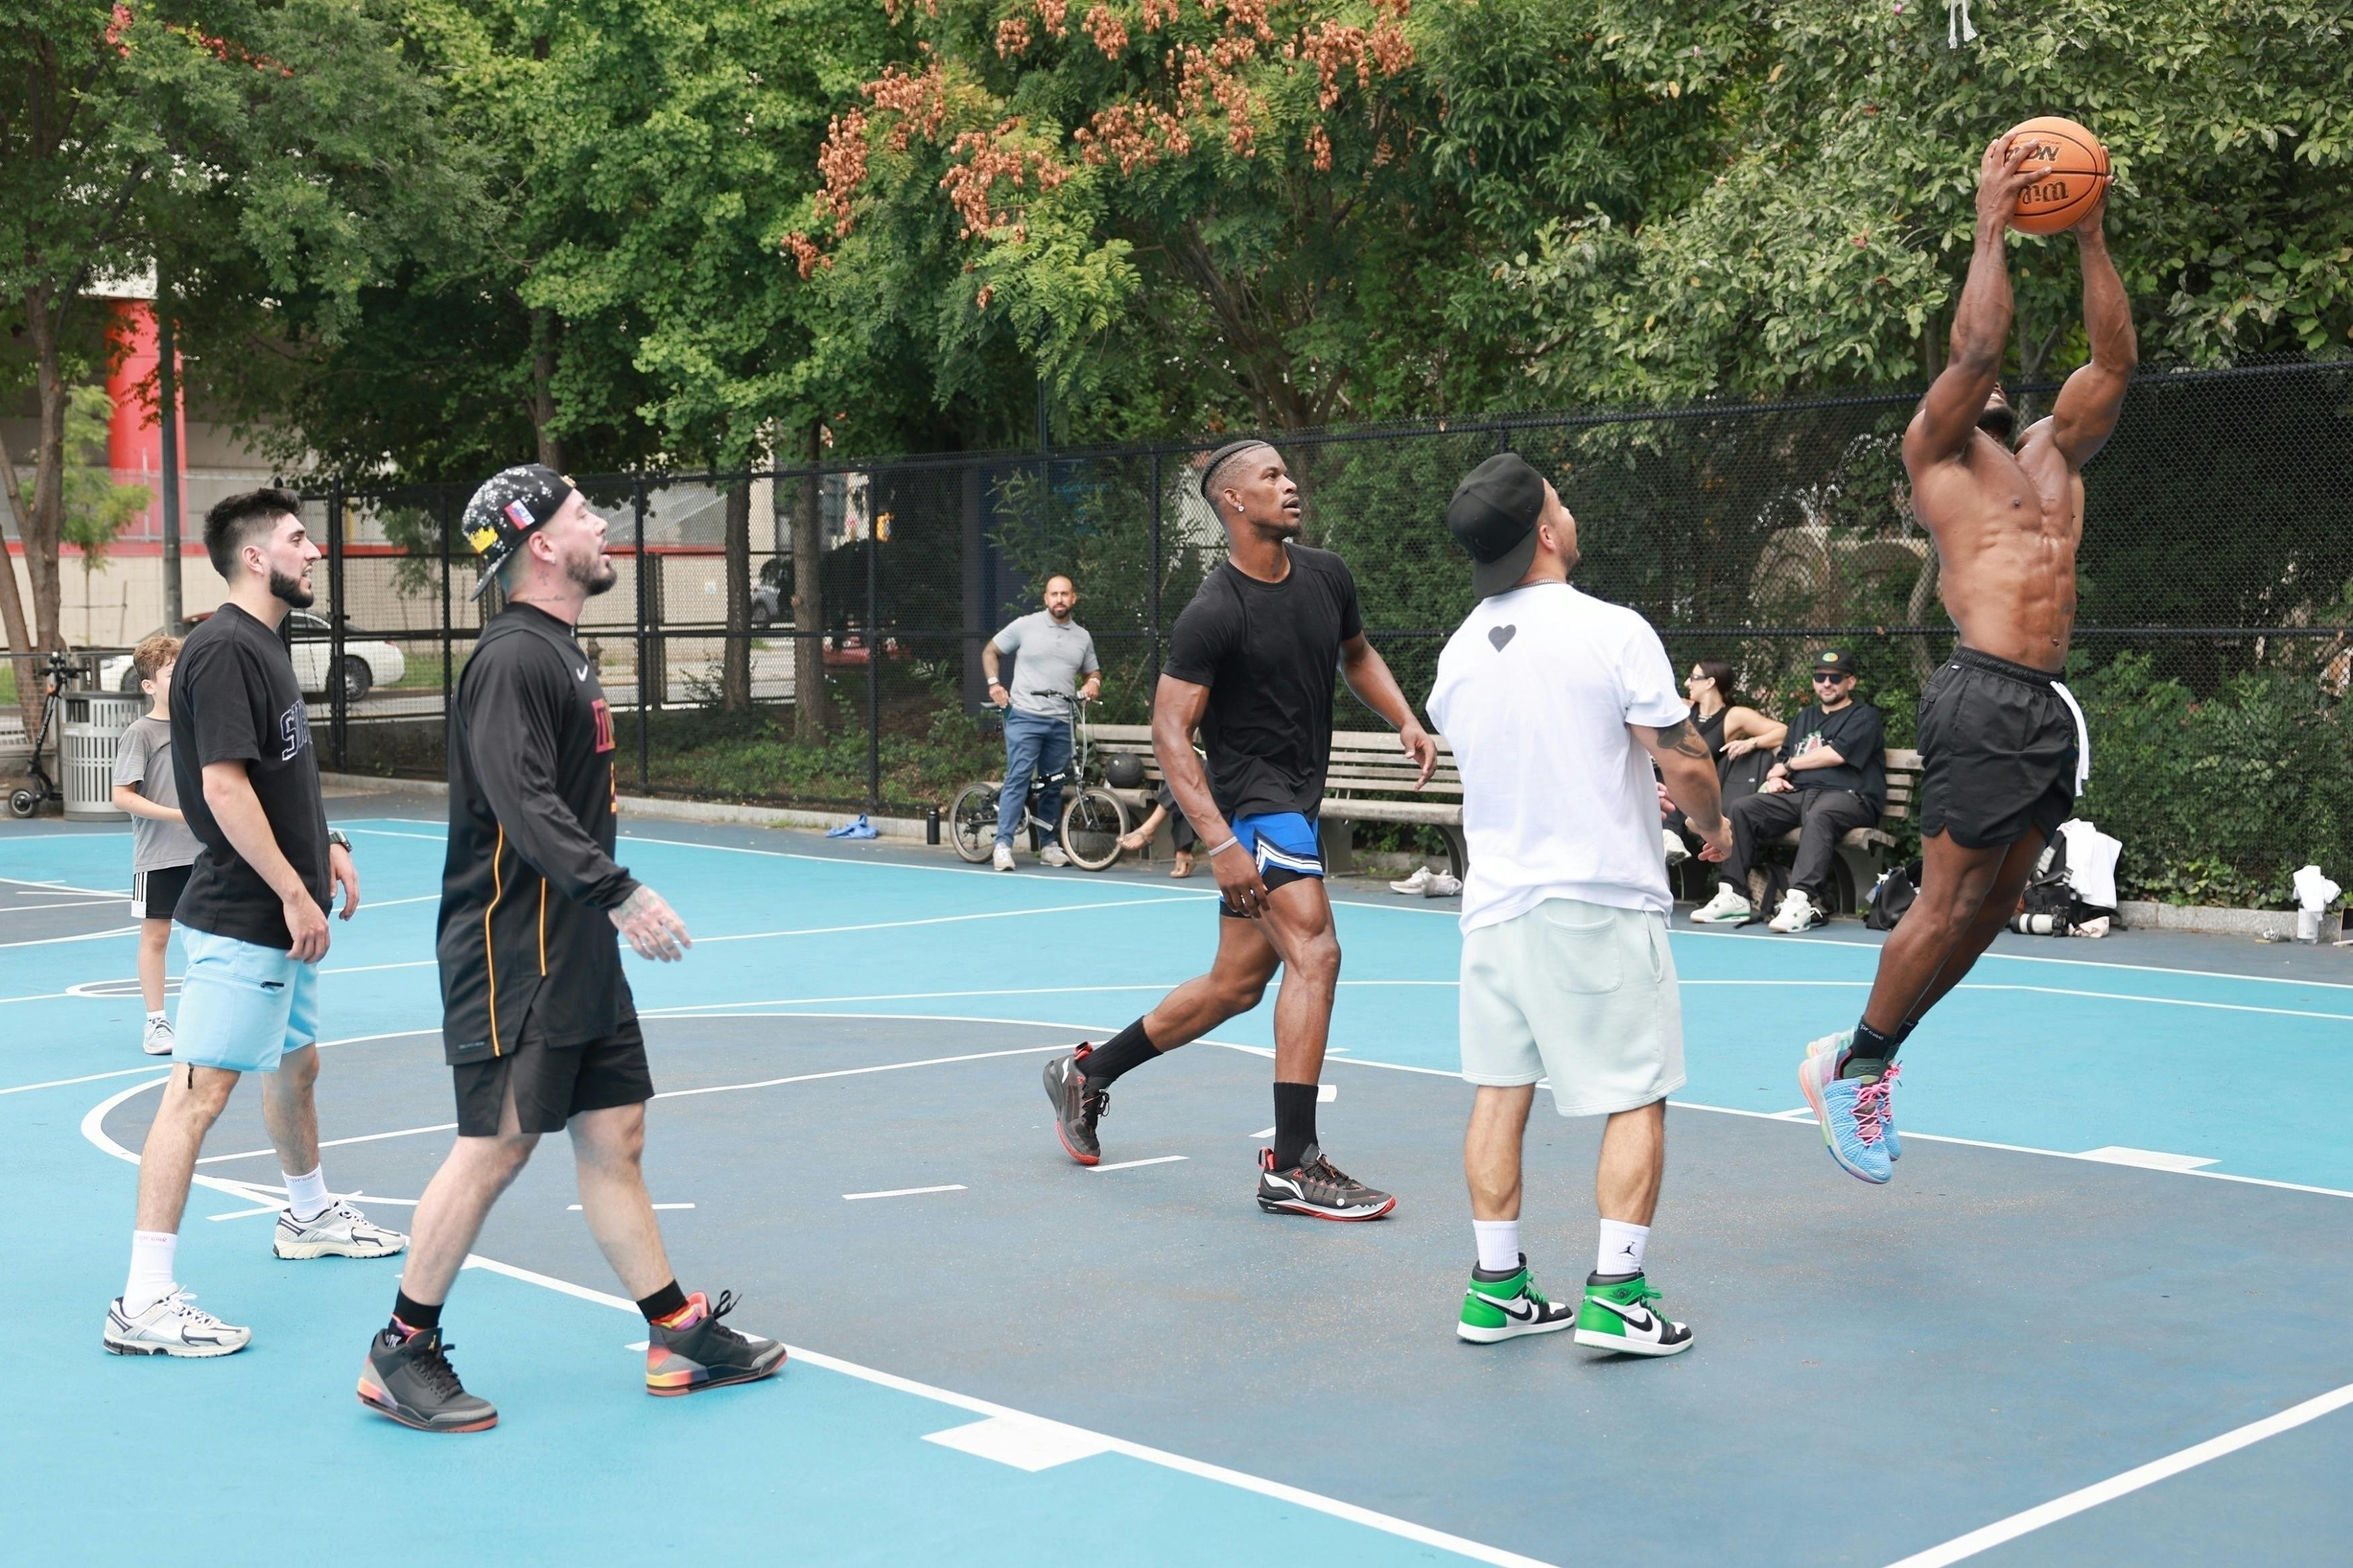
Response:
column 1368, row 674
column 2086, row 413
column 1949, row 413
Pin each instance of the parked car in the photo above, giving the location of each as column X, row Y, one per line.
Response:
column 368, row 662
column 767, row 606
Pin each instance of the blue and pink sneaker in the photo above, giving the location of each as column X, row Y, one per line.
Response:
column 1844, row 1041
column 1852, row 1113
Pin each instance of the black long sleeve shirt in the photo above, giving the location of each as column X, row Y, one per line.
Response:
column 530, row 876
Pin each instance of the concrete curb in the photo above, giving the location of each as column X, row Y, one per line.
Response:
column 665, row 810
column 2215, row 920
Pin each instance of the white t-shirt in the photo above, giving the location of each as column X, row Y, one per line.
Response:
column 1535, row 692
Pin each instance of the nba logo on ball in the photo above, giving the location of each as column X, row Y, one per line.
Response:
column 2073, row 175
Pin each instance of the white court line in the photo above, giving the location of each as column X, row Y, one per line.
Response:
column 86, row 1077
column 902, row 1193
column 70, row 904
column 1297, row 1496
column 2132, row 1480
column 1132, row 1164
column 942, row 920
column 335, row 1142
column 388, row 833
column 86, row 936
column 64, row 888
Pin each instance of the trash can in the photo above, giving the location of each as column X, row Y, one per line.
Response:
column 94, row 724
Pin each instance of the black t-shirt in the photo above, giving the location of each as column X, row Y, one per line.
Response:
column 1269, row 653
column 235, row 699
column 1856, row 732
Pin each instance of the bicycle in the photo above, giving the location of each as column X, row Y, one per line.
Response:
column 1092, row 820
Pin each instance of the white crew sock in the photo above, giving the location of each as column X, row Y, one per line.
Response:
column 1499, row 1244
column 1622, row 1248
column 308, row 1196
column 155, row 1014
column 151, row 1252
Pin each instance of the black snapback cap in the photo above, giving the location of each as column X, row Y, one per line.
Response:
column 1493, row 516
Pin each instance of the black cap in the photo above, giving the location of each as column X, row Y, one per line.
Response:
column 511, row 504
column 1493, row 516
column 1834, row 661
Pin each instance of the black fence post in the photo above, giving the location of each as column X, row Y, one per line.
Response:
column 873, row 674
column 645, row 698
column 1158, row 570
column 448, row 683
column 338, row 697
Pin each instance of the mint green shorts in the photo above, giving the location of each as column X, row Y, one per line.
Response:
column 1584, row 994
column 242, row 1006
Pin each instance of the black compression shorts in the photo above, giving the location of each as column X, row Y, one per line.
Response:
column 553, row 1084
column 1998, row 750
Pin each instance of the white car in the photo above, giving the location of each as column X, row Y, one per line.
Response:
column 367, row 662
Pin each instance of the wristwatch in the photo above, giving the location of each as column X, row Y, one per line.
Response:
column 335, row 837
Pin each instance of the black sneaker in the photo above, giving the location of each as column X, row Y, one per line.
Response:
column 1317, row 1188
column 707, row 1354
column 1077, row 1108
column 411, row 1381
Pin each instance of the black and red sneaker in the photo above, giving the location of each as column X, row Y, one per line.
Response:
column 703, row 1353
column 1077, row 1108
column 1317, row 1188
column 409, row 1377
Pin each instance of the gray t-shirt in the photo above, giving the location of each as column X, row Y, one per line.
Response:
column 143, row 761
column 1050, row 661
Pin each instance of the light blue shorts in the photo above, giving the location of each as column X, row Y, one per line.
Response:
column 242, row 1006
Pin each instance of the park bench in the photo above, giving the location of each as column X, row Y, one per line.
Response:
column 1863, row 851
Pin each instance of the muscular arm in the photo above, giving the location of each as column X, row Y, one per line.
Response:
column 2087, row 407
column 1949, row 413
column 1368, row 674
column 1177, row 710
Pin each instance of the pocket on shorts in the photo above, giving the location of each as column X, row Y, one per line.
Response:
column 1583, row 950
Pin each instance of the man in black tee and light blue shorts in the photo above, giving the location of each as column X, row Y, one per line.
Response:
column 1557, row 704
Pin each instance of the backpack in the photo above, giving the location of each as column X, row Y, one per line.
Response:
column 1894, row 895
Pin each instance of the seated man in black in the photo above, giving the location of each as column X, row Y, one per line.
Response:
column 1829, row 776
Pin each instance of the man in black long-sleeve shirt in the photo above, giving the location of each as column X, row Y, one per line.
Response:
column 537, row 1021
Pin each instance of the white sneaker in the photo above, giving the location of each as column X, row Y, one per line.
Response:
column 1443, row 885
column 341, row 1231
column 1797, row 913
column 1413, row 884
column 1053, row 855
column 1727, row 908
column 173, row 1326
column 157, row 1040
column 1003, row 859
column 1677, row 850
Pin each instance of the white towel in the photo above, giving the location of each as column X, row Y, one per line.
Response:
column 2092, row 863
column 2313, row 890
column 2083, row 736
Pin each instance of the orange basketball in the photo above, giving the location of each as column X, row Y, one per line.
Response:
column 2072, row 173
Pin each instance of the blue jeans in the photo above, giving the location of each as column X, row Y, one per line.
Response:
column 1033, row 744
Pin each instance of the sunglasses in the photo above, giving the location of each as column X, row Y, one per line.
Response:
column 1831, row 679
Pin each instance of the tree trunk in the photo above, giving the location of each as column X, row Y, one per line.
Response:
column 811, row 718
column 1924, row 602
column 546, row 326
column 48, row 472
column 12, row 606
column 736, row 664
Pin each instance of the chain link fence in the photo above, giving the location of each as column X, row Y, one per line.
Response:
column 2212, row 647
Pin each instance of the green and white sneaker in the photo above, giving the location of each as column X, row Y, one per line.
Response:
column 1617, row 1316
column 1501, row 1306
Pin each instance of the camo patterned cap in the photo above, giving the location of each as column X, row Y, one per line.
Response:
column 511, row 504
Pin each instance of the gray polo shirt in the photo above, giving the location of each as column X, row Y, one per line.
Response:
column 1050, row 660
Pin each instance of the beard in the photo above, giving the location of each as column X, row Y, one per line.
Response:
column 1998, row 421
column 290, row 589
column 594, row 574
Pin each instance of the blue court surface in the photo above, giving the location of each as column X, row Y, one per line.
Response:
column 2100, row 1316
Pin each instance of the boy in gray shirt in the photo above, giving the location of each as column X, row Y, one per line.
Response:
column 1053, row 652
column 162, row 849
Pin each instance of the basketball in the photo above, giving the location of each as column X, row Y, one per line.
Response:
column 2073, row 172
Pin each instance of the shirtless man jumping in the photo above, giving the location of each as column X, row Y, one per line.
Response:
column 2003, row 741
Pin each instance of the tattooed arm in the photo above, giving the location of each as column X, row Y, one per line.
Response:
column 1690, row 771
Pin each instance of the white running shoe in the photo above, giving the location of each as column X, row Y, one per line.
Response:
column 1053, row 855
column 173, row 1326
column 1413, row 884
column 1443, row 885
column 1727, row 908
column 1677, row 850
column 156, row 1041
column 341, row 1231
column 1797, row 913
column 1003, row 859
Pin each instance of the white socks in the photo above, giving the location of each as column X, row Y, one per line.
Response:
column 1499, row 1244
column 1622, row 1248
column 151, row 1252
column 155, row 1014
column 308, row 1196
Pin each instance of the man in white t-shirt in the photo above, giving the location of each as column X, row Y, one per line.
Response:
column 1555, row 704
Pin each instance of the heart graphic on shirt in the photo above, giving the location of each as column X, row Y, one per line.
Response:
column 1499, row 636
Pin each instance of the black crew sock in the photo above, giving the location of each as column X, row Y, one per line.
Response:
column 1294, row 1124
column 415, row 1316
column 1123, row 1053
column 1871, row 1050
column 663, row 1302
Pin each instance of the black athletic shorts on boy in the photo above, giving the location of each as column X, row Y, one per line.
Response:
column 553, row 1084
column 155, row 894
column 2003, row 752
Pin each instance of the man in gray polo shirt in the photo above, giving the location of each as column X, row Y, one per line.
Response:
column 1052, row 652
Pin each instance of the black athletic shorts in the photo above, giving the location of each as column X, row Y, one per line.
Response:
column 553, row 1084
column 1999, row 750
column 155, row 894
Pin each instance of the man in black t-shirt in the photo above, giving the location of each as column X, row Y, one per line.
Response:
column 537, row 1021
column 1829, row 778
column 1251, row 664
column 253, row 924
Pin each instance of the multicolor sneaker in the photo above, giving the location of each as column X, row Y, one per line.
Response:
column 340, row 1231
column 1317, row 1188
column 1617, row 1316
column 703, row 1353
column 408, row 1378
column 1844, row 1041
column 173, row 1326
column 1499, row 1307
column 1851, row 1111
column 1077, row 1108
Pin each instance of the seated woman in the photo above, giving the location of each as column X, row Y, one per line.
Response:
column 1164, row 808
column 1743, row 740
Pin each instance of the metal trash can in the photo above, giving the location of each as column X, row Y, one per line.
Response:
column 94, row 724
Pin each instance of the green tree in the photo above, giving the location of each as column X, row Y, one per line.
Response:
column 96, row 509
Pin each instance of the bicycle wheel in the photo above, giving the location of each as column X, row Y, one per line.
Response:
column 1091, row 824
column 972, row 822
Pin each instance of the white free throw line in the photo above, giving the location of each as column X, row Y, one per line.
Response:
column 904, row 1192
column 2132, row 1480
column 1132, row 1164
